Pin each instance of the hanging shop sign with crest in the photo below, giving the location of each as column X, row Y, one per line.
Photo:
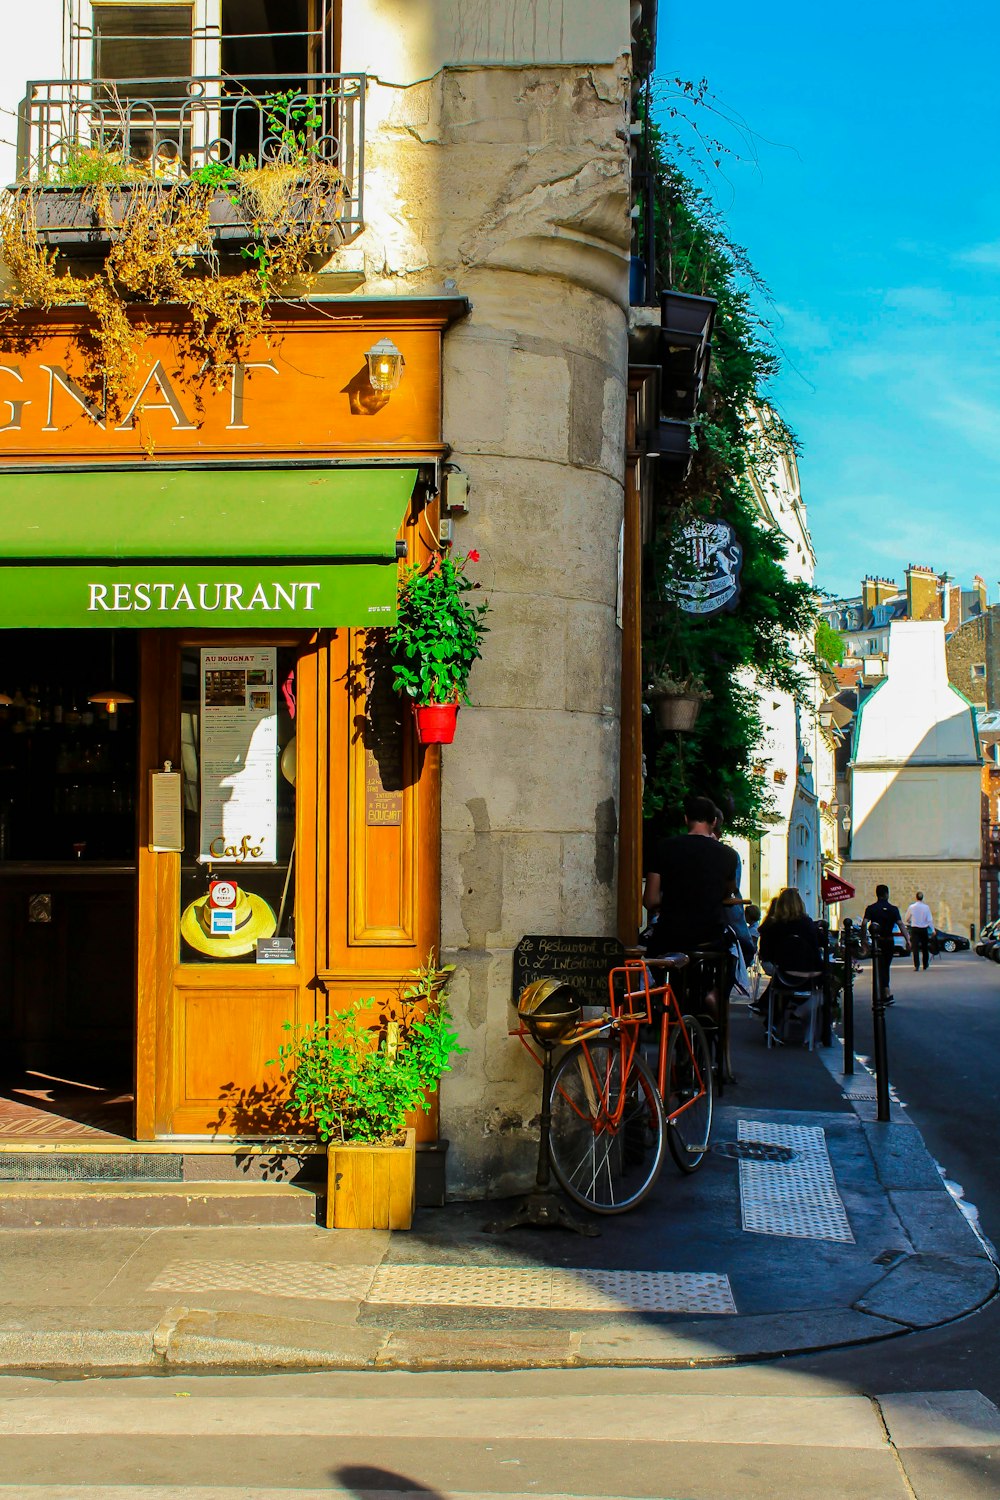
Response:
column 708, row 567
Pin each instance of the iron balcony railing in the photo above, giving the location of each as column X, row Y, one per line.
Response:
column 175, row 126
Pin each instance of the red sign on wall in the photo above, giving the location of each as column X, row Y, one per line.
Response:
column 834, row 889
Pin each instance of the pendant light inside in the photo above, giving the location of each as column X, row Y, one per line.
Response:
column 111, row 698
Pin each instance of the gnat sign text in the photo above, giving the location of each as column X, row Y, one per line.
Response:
column 137, row 598
column 62, row 399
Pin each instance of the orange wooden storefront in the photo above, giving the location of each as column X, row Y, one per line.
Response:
column 365, row 832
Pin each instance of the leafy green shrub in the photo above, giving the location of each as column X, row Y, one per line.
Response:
column 438, row 632
column 357, row 1082
column 87, row 166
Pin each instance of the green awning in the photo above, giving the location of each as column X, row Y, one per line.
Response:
column 230, row 547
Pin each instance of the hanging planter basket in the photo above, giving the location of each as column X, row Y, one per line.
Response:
column 435, row 722
column 678, row 712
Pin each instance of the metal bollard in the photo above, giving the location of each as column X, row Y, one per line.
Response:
column 878, row 1029
column 826, row 1028
column 847, row 948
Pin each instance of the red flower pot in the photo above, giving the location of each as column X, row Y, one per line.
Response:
column 435, row 722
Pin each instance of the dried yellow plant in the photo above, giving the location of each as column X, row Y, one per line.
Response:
column 162, row 254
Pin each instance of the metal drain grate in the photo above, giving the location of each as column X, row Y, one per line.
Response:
column 533, row 1288
column 89, row 1166
column 797, row 1199
column 753, row 1151
column 862, row 1086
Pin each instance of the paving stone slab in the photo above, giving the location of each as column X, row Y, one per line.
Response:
column 901, row 1158
column 748, row 1337
column 941, row 1419
column 924, row 1290
column 514, row 1350
column 77, row 1349
column 935, row 1223
column 238, row 1341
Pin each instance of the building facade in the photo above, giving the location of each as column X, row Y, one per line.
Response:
column 242, row 537
column 915, row 784
column 796, row 755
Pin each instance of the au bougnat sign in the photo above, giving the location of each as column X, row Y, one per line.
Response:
column 711, row 560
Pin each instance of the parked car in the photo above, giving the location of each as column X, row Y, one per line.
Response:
column 941, row 942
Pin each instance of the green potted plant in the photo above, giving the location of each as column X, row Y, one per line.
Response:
column 355, row 1078
column 676, row 700
column 436, row 639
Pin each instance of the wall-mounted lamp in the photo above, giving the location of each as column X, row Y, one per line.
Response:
column 385, row 365
column 807, row 764
column 845, row 822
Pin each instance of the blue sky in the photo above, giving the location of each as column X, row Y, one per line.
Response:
column 873, row 212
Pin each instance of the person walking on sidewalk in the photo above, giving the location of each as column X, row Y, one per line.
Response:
column 884, row 920
column 920, row 924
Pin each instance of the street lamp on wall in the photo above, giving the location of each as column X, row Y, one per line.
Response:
column 807, row 764
column 385, row 365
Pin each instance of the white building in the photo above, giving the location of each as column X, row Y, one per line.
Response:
column 797, row 754
column 915, row 784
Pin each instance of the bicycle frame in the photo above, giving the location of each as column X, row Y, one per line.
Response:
column 631, row 1007
column 638, row 987
column 626, row 1029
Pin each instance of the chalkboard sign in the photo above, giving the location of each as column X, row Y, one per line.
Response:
column 584, row 962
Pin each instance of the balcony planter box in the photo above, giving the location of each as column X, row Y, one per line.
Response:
column 66, row 218
column 371, row 1187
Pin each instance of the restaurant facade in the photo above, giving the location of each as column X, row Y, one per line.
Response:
column 215, row 817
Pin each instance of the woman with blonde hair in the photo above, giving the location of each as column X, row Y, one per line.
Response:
column 789, row 947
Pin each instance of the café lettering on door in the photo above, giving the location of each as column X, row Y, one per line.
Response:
column 213, row 815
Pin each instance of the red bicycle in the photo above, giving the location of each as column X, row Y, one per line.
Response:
column 633, row 1079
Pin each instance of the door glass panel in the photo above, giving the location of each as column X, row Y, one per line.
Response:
column 238, row 764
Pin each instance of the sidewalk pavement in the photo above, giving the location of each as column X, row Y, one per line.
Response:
column 854, row 1238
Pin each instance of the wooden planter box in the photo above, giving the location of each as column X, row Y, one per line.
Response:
column 66, row 218
column 371, row 1187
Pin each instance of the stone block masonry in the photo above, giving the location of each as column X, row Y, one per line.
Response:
column 512, row 184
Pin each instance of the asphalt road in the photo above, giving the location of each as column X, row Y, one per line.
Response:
column 944, row 1062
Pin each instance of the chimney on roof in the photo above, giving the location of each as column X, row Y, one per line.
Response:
column 923, row 602
column 875, row 591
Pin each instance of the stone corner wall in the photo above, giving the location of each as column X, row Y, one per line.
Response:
column 511, row 186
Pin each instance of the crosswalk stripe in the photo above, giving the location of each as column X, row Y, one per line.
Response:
column 820, row 1421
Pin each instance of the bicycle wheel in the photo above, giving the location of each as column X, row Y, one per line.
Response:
column 607, row 1136
column 688, row 1102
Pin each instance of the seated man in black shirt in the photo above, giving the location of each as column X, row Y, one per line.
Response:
column 690, row 880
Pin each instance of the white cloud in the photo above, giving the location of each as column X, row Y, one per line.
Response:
column 987, row 254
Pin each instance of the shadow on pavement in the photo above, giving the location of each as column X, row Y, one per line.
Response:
column 363, row 1480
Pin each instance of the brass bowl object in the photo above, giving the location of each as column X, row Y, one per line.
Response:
column 550, row 1008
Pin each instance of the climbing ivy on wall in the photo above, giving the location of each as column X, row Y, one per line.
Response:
column 759, row 644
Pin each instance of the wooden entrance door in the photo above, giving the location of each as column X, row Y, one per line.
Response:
column 366, row 889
